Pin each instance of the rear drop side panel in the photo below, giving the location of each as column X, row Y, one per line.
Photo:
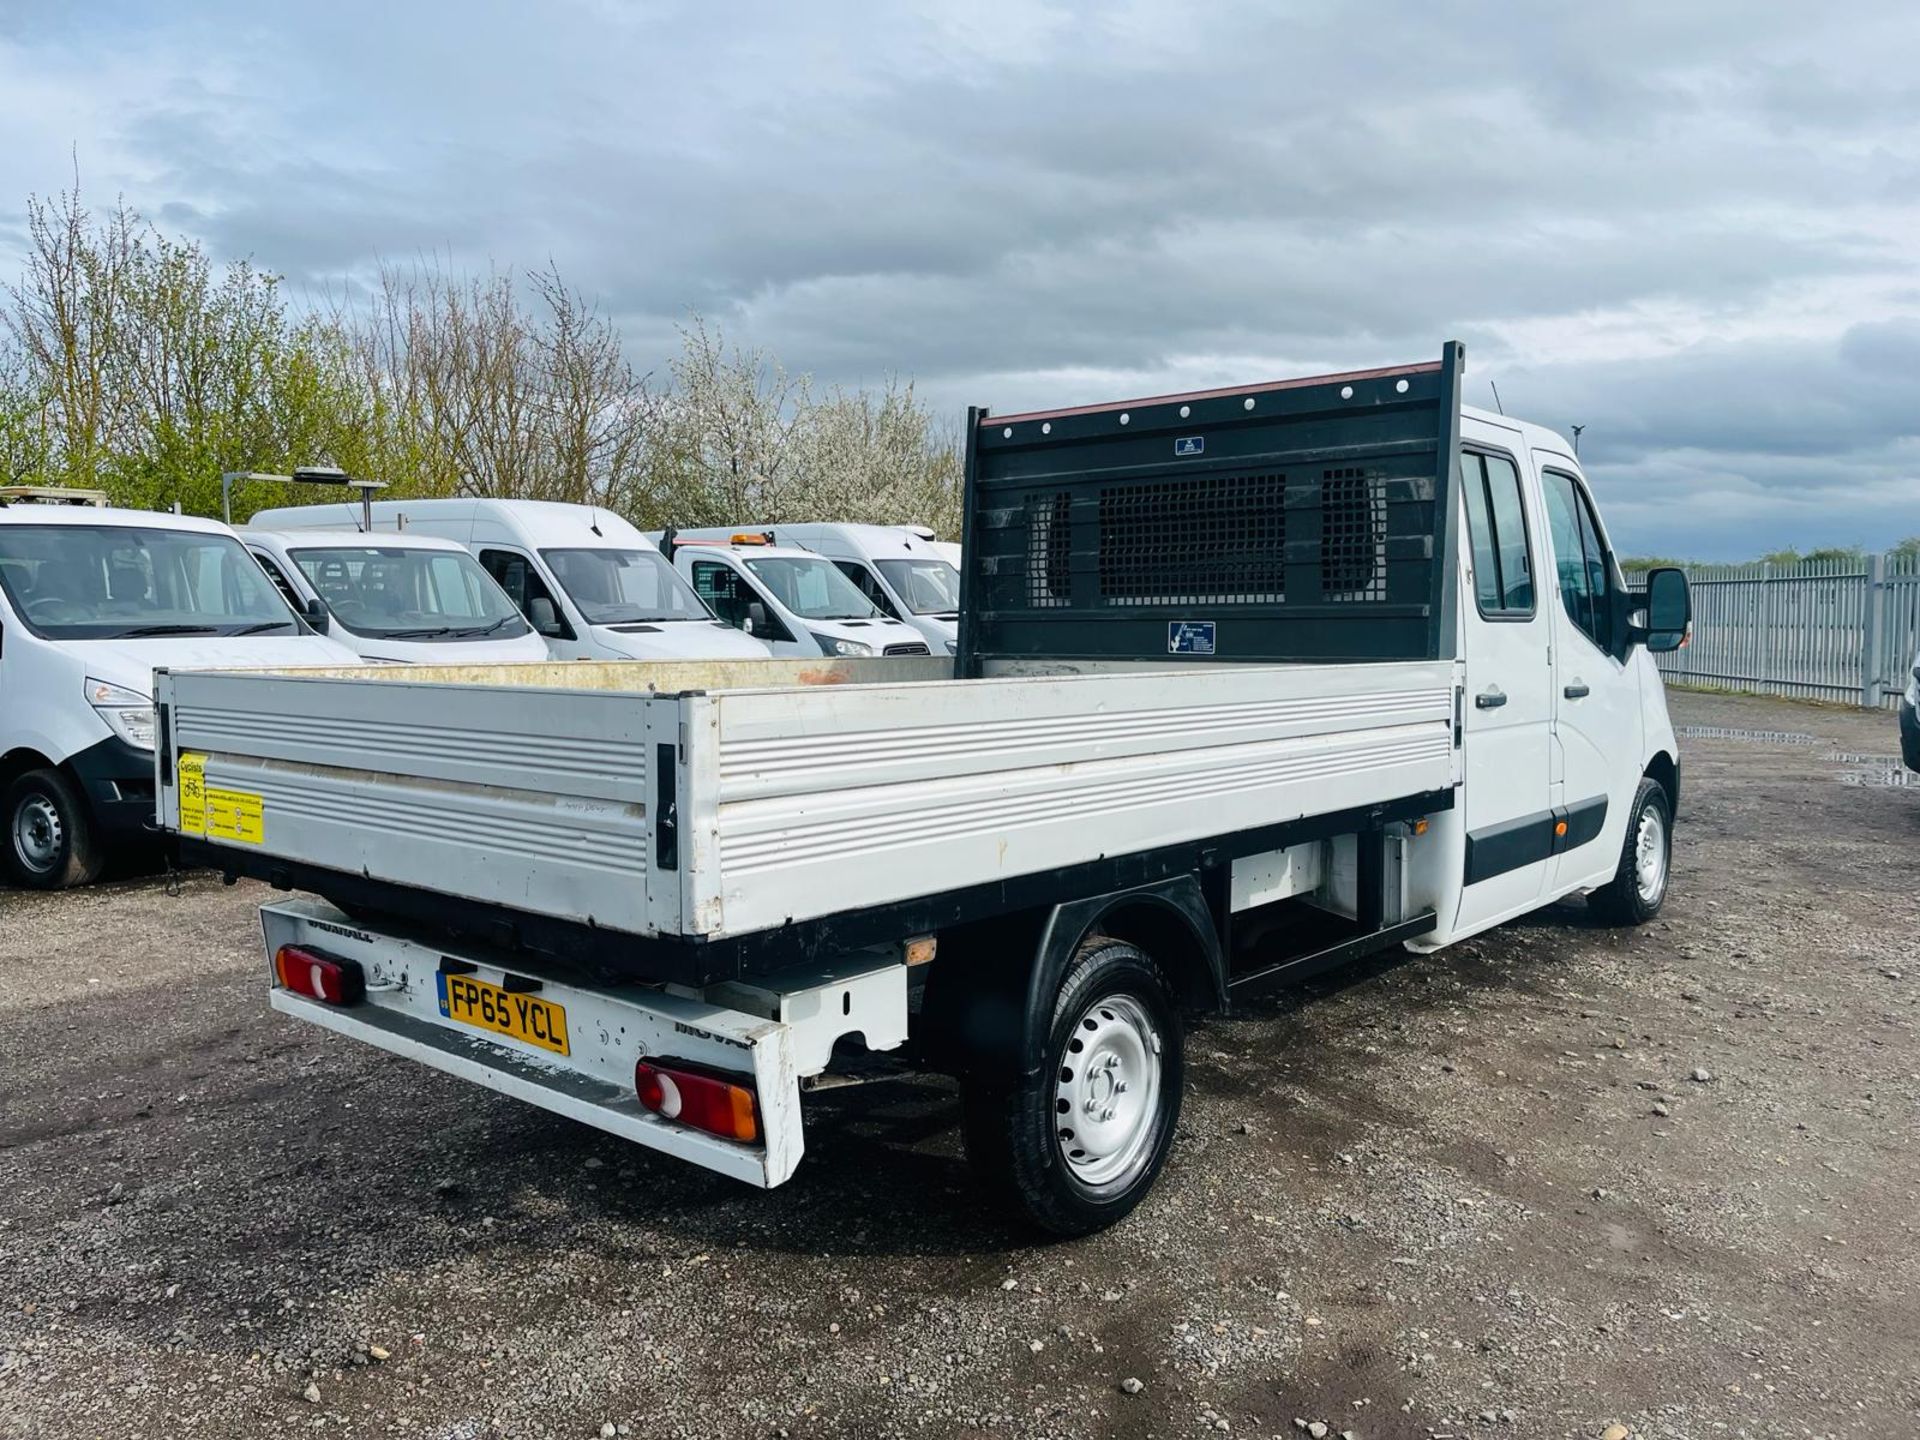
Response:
column 542, row 800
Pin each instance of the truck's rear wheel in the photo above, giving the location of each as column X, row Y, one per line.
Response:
column 48, row 841
column 1074, row 1148
column 1639, row 885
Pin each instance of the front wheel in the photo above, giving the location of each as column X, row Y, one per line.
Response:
column 1639, row 885
column 48, row 842
column 1074, row 1148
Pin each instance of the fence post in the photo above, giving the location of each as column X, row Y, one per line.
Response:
column 1871, row 681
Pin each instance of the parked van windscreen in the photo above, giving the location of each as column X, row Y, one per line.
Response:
column 930, row 587
column 812, row 589
column 114, row 582
column 399, row 593
column 621, row 587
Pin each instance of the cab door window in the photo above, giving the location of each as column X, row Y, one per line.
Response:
column 869, row 585
column 280, row 581
column 728, row 594
column 515, row 575
column 1580, row 558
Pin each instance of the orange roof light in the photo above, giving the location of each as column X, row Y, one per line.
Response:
column 743, row 538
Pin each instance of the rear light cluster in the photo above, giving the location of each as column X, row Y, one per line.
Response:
column 319, row 977
column 705, row 1102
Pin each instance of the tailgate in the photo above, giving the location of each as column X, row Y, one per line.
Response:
column 539, row 799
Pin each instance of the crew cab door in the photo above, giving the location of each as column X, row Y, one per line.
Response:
column 1507, row 714
column 1596, row 693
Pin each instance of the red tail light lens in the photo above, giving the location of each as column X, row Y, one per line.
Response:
column 706, row 1102
column 319, row 977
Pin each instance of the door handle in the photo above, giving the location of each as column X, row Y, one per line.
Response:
column 1491, row 699
column 1577, row 690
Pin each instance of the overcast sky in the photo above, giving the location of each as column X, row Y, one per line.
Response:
column 1693, row 227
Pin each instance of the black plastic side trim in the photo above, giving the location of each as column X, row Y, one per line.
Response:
column 1497, row 849
column 1585, row 820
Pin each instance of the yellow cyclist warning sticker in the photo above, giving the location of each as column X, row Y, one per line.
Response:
column 193, row 794
column 232, row 815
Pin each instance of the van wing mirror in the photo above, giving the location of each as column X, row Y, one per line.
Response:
column 756, row 617
column 1667, row 621
column 317, row 616
column 544, row 618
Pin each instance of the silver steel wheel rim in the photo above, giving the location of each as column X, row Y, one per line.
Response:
column 1107, row 1094
column 37, row 833
column 1650, row 856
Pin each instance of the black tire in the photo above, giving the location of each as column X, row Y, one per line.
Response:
column 1014, row 1137
column 47, row 838
column 1627, row 899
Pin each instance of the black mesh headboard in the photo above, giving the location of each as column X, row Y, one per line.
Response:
column 1298, row 520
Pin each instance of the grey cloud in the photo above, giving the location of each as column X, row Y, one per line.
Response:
column 1027, row 204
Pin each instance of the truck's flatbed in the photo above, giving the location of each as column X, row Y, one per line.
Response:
column 638, row 804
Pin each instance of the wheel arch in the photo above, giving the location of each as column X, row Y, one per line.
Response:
column 1664, row 770
column 991, row 991
column 22, row 758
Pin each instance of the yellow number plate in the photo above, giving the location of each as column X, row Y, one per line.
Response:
column 234, row 815
column 486, row 1006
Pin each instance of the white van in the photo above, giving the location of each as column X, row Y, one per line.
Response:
column 91, row 601
column 798, row 602
column 588, row 582
column 406, row 599
column 897, row 567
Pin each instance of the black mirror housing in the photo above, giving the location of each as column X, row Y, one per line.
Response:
column 540, row 614
column 1668, row 619
column 756, row 617
column 317, row 616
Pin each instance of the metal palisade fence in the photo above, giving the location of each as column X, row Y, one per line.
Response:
column 1843, row 630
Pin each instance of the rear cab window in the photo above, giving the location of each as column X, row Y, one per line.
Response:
column 1497, row 530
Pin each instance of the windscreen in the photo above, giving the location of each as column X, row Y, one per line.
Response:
column 402, row 593
column 620, row 587
column 114, row 582
column 812, row 589
column 929, row 587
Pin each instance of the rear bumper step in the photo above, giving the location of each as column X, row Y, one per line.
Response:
column 608, row 1033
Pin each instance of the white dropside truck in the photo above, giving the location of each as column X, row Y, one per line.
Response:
column 1250, row 682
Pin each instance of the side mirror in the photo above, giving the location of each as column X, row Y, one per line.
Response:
column 541, row 614
column 1668, row 618
column 756, row 616
column 317, row 616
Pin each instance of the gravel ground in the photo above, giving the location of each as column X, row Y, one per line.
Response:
column 1557, row 1180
